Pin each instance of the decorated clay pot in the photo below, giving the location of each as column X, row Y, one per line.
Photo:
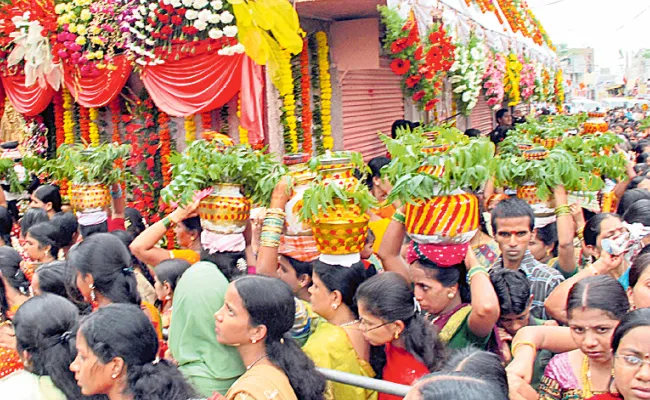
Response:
column 436, row 149
column 595, row 126
column 535, row 154
column 528, row 193
column 302, row 177
column 548, row 143
column 595, row 114
column 340, row 230
column 524, row 146
column 90, row 196
column 451, row 218
column 225, row 211
column 338, row 170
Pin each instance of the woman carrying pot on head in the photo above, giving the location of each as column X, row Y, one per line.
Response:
column 187, row 227
column 168, row 273
column 256, row 318
column 445, row 277
column 407, row 345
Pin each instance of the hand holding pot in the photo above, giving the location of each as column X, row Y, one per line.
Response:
column 282, row 193
column 183, row 213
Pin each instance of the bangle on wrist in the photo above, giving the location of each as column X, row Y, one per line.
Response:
column 475, row 271
column 399, row 217
column 167, row 222
column 522, row 343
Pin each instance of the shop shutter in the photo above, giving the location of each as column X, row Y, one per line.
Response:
column 482, row 116
column 372, row 101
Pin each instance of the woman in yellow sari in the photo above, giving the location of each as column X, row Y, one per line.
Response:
column 338, row 342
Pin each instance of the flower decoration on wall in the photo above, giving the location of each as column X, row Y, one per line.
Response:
column 527, row 82
column 559, row 90
column 421, row 61
column 34, row 138
column 494, row 74
column 151, row 27
column 512, row 78
column 466, row 75
column 89, row 33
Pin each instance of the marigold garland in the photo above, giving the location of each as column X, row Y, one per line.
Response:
column 512, row 79
column 165, row 166
column 59, row 119
column 206, row 120
column 288, row 118
column 93, row 129
column 305, row 86
column 325, row 90
column 84, row 125
column 559, row 90
column 115, row 108
column 68, row 117
column 190, row 129
column 243, row 132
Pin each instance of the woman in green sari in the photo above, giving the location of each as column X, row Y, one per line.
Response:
column 207, row 364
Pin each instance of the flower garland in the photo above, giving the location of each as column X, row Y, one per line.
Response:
column 288, row 117
column 317, row 125
column 206, row 120
column 547, row 84
column 34, row 137
column 190, row 129
column 305, row 89
column 494, row 76
column 559, row 90
column 297, row 95
column 165, row 166
column 466, row 75
column 93, row 115
column 512, row 78
column 243, row 132
column 84, row 125
column 115, row 120
column 59, row 120
column 68, row 117
column 325, row 90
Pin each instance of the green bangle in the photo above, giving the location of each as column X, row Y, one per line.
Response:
column 476, row 270
column 167, row 222
column 399, row 217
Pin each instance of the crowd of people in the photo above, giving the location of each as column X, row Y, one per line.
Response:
column 93, row 308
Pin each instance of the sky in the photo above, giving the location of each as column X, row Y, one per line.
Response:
column 605, row 25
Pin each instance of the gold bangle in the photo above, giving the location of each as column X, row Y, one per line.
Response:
column 581, row 233
column 522, row 343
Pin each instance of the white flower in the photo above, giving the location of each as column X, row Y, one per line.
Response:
column 141, row 62
column 141, row 36
column 134, row 31
column 205, row 15
column 460, row 89
column 216, row 4
column 139, row 24
column 200, row 4
column 215, row 33
column 239, row 48
column 466, row 97
column 227, row 17
column 137, row 15
column 188, row 3
column 200, row 25
column 230, row 30
column 215, row 19
column 191, row 15
column 149, row 28
column 152, row 15
column 143, row 10
column 153, row 6
column 176, row 3
column 150, row 42
column 167, row 2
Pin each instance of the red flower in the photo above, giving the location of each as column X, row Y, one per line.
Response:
column 190, row 30
column 176, row 20
column 163, row 18
column 419, row 95
column 133, row 127
column 181, row 11
column 430, row 104
column 167, row 30
column 426, row 71
column 411, row 81
column 419, row 53
column 127, row 118
column 399, row 45
column 400, row 67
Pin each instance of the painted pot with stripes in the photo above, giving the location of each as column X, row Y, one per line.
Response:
column 528, row 192
column 549, row 143
column 225, row 211
column 448, row 219
column 338, row 170
column 89, row 196
column 302, row 177
column 340, row 230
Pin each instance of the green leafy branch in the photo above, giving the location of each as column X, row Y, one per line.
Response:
column 318, row 198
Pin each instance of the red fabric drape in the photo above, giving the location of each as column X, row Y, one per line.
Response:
column 29, row 101
column 205, row 81
column 98, row 91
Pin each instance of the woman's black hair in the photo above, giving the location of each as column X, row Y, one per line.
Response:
column 458, row 385
column 124, row 331
column 270, row 302
column 52, row 278
column 641, row 168
column 231, row 264
column 634, row 184
column 72, row 291
column 193, row 224
column 32, row 217
column 548, row 236
column 45, row 328
column 402, row 124
column 389, row 297
column 87, row 231
column 126, row 238
column 639, row 211
column 49, row 194
column 170, row 271
column 642, row 158
column 592, row 227
column 6, row 225
column 477, row 363
column 600, row 292
column 512, row 289
column 46, row 234
column 375, row 165
column 634, row 319
column 134, row 221
column 108, row 261
column 630, row 197
column 344, row 279
column 640, row 264
column 67, row 225
column 449, row 276
column 471, row 132
column 301, row 267
column 10, row 268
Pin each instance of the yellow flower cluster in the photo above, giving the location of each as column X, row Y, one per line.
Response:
column 512, row 78
column 93, row 128
column 68, row 117
column 190, row 129
column 289, row 103
column 243, row 132
column 559, row 90
column 325, row 89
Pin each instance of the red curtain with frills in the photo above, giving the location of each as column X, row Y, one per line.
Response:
column 100, row 90
column 29, row 101
column 204, row 81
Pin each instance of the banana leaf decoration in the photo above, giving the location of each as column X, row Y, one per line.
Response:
column 265, row 29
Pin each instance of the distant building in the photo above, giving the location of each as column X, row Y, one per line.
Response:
column 579, row 72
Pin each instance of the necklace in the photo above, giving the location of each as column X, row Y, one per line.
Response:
column 356, row 321
column 256, row 361
column 586, row 379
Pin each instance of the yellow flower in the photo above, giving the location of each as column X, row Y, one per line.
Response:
column 99, row 54
column 95, row 30
column 81, row 40
column 85, row 14
column 96, row 41
column 60, row 8
column 81, row 29
column 100, row 65
column 72, row 28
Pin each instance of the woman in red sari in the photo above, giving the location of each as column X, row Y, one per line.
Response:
column 390, row 318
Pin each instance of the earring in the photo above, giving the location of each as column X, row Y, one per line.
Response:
column 92, row 292
column 396, row 335
column 167, row 298
column 114, row 376
column 450, row 295
column 335, row 306
column 254, row 341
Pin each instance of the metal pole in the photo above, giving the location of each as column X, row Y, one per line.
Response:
column 364, row 382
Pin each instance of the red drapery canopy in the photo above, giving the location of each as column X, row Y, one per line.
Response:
column 29, row 101
column 99, row 90
column 205, row 81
